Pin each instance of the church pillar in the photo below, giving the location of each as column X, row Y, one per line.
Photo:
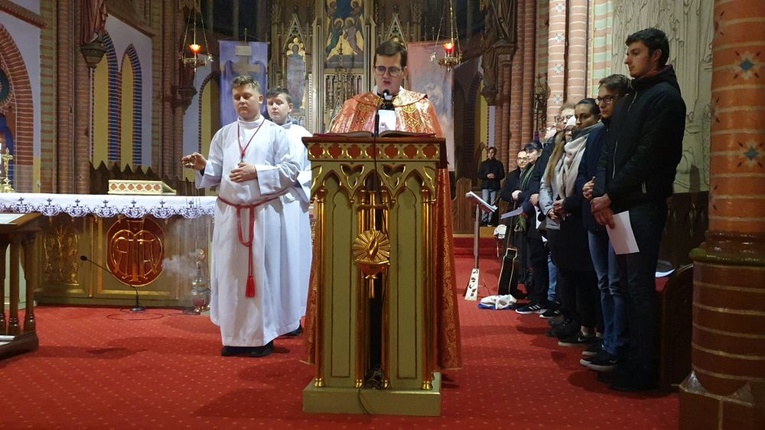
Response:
column 576, row 63
column 726, row 388
column 503, row 137
column 83, row 120
column 517, row 96
column 527, row 16
column 556, row 60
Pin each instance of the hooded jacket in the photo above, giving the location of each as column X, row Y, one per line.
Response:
column 645, row 143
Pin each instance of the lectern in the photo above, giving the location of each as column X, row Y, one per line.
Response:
column 374, row 230
column 18, row 233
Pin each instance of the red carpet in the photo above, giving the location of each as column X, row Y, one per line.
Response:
column 103, row 368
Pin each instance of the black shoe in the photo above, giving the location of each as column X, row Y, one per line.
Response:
column 602, row 362
column 576, row 339
column 297, row 332
column 593, row 349
column 262, row 351
column 231, row 351
column 632, row 383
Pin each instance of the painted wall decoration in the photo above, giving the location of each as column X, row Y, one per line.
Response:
column 427, row 76
column 345, row 41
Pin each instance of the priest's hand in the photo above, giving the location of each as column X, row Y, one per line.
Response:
column 194, row 161
column 243, row 172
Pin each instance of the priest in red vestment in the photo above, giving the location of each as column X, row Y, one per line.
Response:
column 408, row 111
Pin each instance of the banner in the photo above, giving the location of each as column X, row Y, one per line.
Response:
column 427, row 76
column 241, row 58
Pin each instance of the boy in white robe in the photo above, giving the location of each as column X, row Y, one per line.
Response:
column 297, row 236
column 252, row 164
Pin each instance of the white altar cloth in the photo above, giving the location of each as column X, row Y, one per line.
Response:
column 108, row 205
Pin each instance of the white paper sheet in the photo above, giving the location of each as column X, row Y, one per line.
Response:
column 621, row 236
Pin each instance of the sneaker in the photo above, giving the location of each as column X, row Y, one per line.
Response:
column 576, row 339
column 567, row 329
column 603, row 362
column 550, row 313
column 533, row 308
column 593, row 349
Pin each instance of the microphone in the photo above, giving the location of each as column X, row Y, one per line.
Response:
column 137, row 307
column 386, row 103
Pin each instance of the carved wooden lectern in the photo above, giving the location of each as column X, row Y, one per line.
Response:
column 18, row 231
column 374, row 241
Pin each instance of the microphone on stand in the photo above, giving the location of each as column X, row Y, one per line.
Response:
column 137, row 307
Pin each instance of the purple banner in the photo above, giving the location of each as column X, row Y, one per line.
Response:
column 241, row 58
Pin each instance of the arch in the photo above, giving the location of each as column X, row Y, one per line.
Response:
column 137, row 103
column 114, row 100
column 22, row 144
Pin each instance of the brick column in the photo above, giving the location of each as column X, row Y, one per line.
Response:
column 527, row 13
column 556, row 59
column 517, row 95
column 576, row 63
column 59, row 165
column 726, row 388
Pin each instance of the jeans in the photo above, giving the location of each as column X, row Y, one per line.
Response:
column 489, row 196
column 552, row 295
column 611, row 299
column 638, row 271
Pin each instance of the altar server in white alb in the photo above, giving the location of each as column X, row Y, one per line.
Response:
column 297, row 236
column 253, row 166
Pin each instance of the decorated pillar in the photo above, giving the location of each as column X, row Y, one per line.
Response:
column 726, row 388
column 527, row 16
column 556, row 64
column 576, row 63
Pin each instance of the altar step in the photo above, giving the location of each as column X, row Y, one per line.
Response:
column 487, row 245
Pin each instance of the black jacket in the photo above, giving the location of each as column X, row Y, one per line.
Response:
column 491, row 166
column 588, row 169
column 644, row 144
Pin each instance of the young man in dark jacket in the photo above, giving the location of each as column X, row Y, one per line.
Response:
column 636, row 174
column 490, row 172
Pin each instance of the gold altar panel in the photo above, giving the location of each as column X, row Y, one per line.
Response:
column 338, row 283
column 404, row 296
column 68, row 279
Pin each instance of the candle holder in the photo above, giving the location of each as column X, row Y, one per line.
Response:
column 200, row 292
column 5, row 184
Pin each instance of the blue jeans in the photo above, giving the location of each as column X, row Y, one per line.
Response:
column 552, row 295
column 489, row 196
column 639, row 272
column 611, row 300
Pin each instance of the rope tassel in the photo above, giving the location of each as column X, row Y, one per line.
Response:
column 250, row 289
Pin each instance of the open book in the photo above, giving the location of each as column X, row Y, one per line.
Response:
column 386, row 133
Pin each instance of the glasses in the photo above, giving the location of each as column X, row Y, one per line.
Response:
column 392, row 71
column 563, row 118
column 607, row 100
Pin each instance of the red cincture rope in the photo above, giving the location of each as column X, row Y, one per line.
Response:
column 249, row 290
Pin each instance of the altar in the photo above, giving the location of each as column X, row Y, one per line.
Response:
column 105, row 249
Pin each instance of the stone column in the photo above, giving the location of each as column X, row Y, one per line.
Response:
column 726, row 388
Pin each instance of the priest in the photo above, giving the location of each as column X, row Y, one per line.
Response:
column 408, row 111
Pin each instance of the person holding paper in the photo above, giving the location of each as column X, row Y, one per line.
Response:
column 636, row 173
column 603, row 356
